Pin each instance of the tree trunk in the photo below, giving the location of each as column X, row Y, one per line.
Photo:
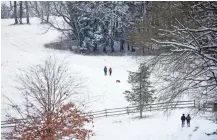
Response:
column 42, row 16
column 128, row 46
column 121, row 45
column 95, row 47
column 11, row 5
column 21, row 12
column 15, row 12
column 48, row 11
column 36, row 6
column 80, row 43
column 104, row 49
column 140, row 95
column 132, row 49
column 140, row 111
column 112, row 46
column 27, row 12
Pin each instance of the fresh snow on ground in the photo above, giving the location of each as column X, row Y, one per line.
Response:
column 154, row 126
column 22, row 46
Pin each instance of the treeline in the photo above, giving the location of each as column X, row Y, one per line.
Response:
column 136, row 26
column 25, row 9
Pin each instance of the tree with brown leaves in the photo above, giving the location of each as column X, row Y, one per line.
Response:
column 64, row 123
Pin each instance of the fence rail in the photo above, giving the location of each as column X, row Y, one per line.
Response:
column 125, row 110
column 148, row 107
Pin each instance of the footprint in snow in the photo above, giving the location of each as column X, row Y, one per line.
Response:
column 196, row 128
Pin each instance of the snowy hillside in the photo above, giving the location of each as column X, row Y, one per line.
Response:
column 22, row 46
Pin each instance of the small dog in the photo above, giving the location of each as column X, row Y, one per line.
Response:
column 118, row 81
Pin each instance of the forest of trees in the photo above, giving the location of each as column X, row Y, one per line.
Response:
column 134, row 25
column 95, row 25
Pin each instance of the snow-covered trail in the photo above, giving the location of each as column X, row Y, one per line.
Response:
column 22, row 46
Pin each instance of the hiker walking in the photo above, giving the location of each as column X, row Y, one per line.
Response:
column 105, row 70
column 183, row 120
column 110, row 71
column 188, row 119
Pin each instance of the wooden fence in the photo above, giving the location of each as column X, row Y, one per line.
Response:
column 147, row 107
column 125, row 110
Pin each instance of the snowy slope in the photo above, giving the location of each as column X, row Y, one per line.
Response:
column 22, row 46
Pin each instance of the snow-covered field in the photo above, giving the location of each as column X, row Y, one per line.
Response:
column 155, row 126
column 22, row 46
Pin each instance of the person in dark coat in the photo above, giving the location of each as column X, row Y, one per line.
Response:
column 188, row 119
column 110, row 71
column 105, row 70
column 183, row 120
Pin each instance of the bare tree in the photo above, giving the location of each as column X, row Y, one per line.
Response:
column 46, row 114
column 41, row 9
column 189, row 68
column 50, row 84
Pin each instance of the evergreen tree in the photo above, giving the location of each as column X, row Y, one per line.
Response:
column 141, row 92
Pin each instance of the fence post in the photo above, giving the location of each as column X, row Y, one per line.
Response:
column 150, row 108
column 128, row 111
column 194, row 103
column 105, row 112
